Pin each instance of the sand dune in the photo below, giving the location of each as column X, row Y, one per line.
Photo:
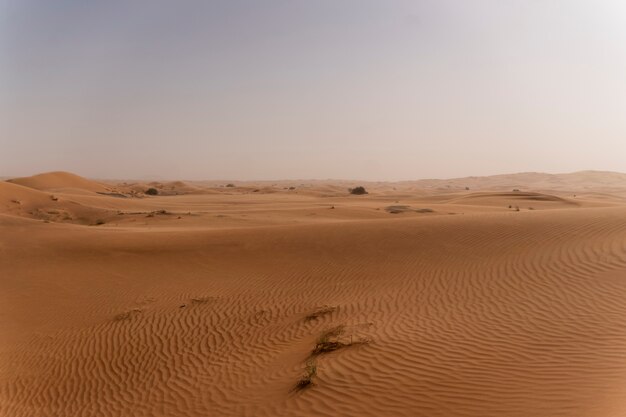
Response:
column 526, row 181
column 516, row 199
column 217, row 304
column 60, row 181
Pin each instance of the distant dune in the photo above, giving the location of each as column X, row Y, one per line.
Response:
column 59, row 181
column 296, row 298
column 582, row 180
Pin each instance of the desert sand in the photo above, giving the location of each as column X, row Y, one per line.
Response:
column 430, row 298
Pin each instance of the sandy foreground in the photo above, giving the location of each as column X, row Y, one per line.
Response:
column 426, row 298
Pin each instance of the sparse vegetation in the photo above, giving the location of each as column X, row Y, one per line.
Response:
column 329, row 342
column 306, row 381
column 99, row 222
column 230, row 185
column 320, row 312
column 398, row 209
column 159, row 212
column 152, row 191
column 358, row 190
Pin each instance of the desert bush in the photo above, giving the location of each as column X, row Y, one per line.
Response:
column 152, row 191
column 358, row 190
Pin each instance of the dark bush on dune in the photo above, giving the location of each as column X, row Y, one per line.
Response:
column 152, row 191
column 358, row 190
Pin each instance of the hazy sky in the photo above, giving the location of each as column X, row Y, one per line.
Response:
column 311, row 89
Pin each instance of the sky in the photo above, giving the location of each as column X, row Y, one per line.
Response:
column 289, row 89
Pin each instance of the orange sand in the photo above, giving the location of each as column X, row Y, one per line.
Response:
column 209, row 300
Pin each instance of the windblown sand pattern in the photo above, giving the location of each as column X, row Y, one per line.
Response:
column 487, row 312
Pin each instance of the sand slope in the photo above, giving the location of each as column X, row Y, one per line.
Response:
column 488, row 312
column 59, row 180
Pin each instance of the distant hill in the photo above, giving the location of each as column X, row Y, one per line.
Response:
column 59, row 180
column 582, row 180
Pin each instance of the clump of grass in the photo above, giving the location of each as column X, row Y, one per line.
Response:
column 320, row 312
column 306, row 381
column 329, row 341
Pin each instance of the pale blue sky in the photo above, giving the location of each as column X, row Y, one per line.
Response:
column 311, row 89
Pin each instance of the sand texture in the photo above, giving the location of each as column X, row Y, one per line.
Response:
column 293, row 298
